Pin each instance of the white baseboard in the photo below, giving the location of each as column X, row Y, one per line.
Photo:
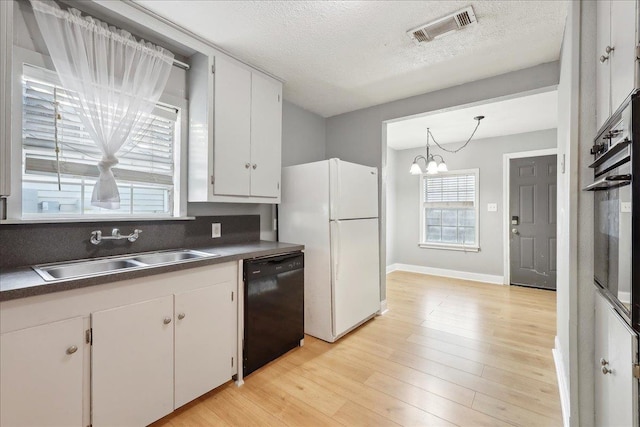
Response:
column 454, row 274
column 624, row 297
column 562, row 383
column 391, row 268
column 383, row 307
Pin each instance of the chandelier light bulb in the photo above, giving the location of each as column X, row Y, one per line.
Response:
column 415, row 169
column 442, row 167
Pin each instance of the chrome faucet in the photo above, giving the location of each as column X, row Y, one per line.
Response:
column 97, row 237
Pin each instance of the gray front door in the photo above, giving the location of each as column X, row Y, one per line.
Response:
column 532, row 215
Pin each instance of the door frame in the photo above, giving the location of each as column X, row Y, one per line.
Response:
column 506, row 221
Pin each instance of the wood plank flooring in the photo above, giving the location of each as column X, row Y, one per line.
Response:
column 448, row 352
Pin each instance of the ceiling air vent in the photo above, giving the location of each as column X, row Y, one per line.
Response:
column 438, row 28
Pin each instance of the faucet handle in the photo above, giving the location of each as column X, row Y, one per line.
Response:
column 134, row 236
column 96, row 237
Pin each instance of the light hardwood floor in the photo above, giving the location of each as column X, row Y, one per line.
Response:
column 448, row 352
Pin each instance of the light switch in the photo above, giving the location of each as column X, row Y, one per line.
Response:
column 625, row 207
column 216, row 230
column 492, row 207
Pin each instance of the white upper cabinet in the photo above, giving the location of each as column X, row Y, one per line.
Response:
column 616, row 72
column 232, row 129
column 266, row 136
column 235, row 132
column 6, row 56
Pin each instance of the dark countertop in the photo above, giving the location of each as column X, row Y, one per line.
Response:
column 25, row 282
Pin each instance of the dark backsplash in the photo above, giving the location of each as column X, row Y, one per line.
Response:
column 28, row 244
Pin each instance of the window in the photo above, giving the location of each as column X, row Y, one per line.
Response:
column 59, row 159
column 449, row 210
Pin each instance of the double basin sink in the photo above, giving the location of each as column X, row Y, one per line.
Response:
column 102, row 266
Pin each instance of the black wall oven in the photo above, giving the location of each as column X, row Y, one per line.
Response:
column 616, row 217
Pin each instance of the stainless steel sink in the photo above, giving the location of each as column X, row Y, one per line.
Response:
column 102, row 266
column 169, row 257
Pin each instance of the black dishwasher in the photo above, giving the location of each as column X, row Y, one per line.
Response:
column 273, row 308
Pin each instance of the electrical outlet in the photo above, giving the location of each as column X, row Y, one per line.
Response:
column 216, row 230
column 492, row 207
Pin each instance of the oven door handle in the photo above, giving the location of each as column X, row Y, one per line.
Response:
column 613, row 181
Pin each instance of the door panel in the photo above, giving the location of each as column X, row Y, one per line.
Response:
column 356, row 272
column 41, row 383
column 532, row 199
column 204, row 340
column 266, row 136
column 623, row 57
column 232, row 129
column 354, row 190
column 132, row 363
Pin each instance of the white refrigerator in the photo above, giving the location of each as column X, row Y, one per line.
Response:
column 331, row 207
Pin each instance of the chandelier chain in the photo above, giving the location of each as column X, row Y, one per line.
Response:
column 459, row 148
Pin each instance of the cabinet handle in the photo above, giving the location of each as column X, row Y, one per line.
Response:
column 606, row 371
column 603, row 361
column 255, row 166
column 181, row 316
column 607, row 50
column 72, row 349
column 167, row 320
column 247, row 165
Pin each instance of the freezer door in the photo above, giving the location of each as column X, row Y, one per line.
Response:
column 354, row 190
column 356, row 272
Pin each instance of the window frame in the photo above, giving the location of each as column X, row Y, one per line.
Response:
column 22, row 57
column 422, row 243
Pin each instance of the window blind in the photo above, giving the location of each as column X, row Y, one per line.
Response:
column 450, row 190
column 147, row 158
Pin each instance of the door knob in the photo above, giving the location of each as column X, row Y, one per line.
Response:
column 515, row 231
column 181, row 316
column 72, row 349
column 167, row 320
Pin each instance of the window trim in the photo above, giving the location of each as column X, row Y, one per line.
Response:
column 476, row 204
column 22, row 56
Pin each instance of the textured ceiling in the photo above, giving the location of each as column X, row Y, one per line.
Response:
column 340, row 56
column 505, row 117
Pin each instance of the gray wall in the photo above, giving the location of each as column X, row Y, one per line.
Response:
column 484, row 154
column 360, row 136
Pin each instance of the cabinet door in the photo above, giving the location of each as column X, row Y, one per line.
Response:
column 132, row 363
column 205, row 328
column 602, row 412
column 603, row 73
column 42, row 375
column 266, row 136
column 623, row 57
column 232, row 127
column 622, row 390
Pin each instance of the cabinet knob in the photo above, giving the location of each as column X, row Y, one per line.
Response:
column 247, row 165
column 72, row 349
column 603, row 59
column 609, row 49
column 255, row 166
column 606, row 371
column 603, row 361
column 181, row 316
column 167, row 320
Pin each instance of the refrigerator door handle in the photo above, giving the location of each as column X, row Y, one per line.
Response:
column 337, row 251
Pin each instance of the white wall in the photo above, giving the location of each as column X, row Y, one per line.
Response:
column 391, row 171
column 484, row 154
column 575, row 293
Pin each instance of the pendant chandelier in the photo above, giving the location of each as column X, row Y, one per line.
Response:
column 432, row 165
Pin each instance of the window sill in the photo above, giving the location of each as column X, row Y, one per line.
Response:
column 95, row 219
column 449, row 247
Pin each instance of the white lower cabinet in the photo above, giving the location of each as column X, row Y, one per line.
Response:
column 616, row 388
column 132, row 363
column 41, row 371
column 205, row 340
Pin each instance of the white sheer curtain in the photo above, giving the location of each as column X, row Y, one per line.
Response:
column 116, row 79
